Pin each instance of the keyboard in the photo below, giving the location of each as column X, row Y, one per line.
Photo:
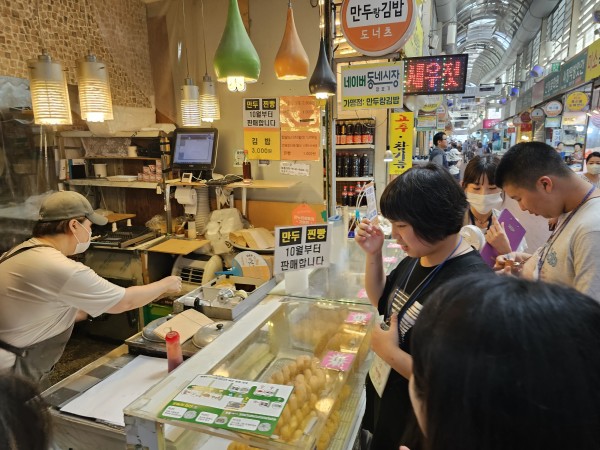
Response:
column 124, row 237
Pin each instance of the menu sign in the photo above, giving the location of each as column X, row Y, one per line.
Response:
column 261, row 128
column 301, row 247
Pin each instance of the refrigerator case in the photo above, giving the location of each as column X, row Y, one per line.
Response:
column 281, row 342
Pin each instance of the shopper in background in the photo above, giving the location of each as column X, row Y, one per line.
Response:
column 535, row 175
column 43, row 292
column 507, row 364
column 25, row 421
column 485, row 199
column 438, row 153
column 592, row 164
column 427, row 228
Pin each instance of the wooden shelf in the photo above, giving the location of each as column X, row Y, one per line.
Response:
column 116, row 184
column 351, row 146
column 256, row 184
column 141, row 158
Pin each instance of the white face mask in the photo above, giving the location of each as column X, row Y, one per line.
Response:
column 484, row 204
column 82, row 246
column 594, row 169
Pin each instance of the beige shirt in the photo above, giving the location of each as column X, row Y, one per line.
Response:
column 40, row 292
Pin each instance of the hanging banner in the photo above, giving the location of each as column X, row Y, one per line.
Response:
column 488, row 124
column 300, row 128
column 261, row 128
column 401, row 141
column 441, row 113
column 372, row 86
column 526, row 127
column 576, row 101
column 414, row 46
column 553, row 108
column 592, row 67
column 538, row 114
column 553, row 122
column 427, row 123
column 378, row 27
column 551, row 85
column 429, row 103
column 572, row 72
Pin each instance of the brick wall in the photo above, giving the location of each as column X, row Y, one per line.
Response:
column 115, row 30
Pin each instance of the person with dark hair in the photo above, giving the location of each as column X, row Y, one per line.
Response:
column 485, row 199
column 426, row 208
column 592, row 165
column 438, row 154
column 535, row 175
column 43, row 292
column 507, row 364
column 25, row 421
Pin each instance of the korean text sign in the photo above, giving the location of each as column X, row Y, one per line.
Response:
column 443, row 74
column 262, row 137
column 401, row 141
column 300, row 128
column 372, row 86
column 301, row 247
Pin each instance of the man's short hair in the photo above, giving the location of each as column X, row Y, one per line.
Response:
column 524, row 164
column 437, row 137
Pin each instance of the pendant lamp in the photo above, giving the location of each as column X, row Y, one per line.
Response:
column 209, row 102
column 94, row 90
column 291, row 62
column 388, row 156
column 189, row 102
column 236, row 61
column 322, row 83
column 49, row 93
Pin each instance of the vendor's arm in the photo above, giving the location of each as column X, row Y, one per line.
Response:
column 385, row 344
column 138, row 296
column 370, row 239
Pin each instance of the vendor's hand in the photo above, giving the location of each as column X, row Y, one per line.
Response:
column 384, row 342
column 369, row 236
column 172, row 284
column 497, row 238
column 501, row 265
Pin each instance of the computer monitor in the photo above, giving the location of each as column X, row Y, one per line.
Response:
column 195, row 149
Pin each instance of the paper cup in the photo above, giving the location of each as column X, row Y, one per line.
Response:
column 100, row 170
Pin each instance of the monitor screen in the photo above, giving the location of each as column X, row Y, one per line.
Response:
column 195, row 148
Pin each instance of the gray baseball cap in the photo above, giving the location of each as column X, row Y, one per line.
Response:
column 68, row 205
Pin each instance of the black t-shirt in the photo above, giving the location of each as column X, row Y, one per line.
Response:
column 393, row 413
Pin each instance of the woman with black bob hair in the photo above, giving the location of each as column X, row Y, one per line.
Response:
column 507, row 364
column 426, row 208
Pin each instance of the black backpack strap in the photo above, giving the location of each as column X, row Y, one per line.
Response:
column 22, row 249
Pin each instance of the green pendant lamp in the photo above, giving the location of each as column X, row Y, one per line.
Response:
column 236, row 61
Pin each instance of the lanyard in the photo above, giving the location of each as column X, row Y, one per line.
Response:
column 474, row 222
column 554, row 236
column 423, row 284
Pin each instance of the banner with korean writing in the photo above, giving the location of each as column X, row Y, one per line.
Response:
column 300, row 128
column 301, row 247
column 262, row 137
column 372, row 86
column 592, row 66
column 401, row 141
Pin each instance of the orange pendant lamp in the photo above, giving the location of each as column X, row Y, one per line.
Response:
column 291, row 62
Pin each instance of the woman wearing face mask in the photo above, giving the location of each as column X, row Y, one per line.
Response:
column 592, row 164
column 43, row 292
column 485, row 199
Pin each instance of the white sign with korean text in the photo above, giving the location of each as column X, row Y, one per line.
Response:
column 301, row 247
column 261, row 112
column 369, row 86
column 292, row 168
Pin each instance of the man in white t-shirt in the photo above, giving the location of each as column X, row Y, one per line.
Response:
column 535, row 175
column 43, row 292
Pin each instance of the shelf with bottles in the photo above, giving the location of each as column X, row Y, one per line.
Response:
column 348, row 193
column 354, row 165
column 355, row 132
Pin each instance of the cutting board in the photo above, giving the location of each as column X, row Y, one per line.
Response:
column 179, row 246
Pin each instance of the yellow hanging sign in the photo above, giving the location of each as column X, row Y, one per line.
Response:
column 401, row 141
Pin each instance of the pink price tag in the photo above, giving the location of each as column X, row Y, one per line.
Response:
column 338, row 361
column 358, row 318
column 362, row 293
column 393, row 245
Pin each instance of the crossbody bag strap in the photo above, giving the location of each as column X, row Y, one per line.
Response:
column 22, row 249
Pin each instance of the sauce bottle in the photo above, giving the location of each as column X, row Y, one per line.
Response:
column 246, row 168
column 174, row 355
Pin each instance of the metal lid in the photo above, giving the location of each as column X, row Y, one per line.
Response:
column 148, row 331
column 210, row 332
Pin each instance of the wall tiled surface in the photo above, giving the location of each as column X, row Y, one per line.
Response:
column 115, row 30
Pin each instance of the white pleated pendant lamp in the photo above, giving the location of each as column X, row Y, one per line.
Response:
column 190, row 104
column 209, row 102
column 94, row 90
column 49, row 92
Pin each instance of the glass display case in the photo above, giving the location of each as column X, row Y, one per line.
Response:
column 318, row 348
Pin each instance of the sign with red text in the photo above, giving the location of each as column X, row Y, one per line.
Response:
column 378, row 27
column 443, row 74
column 401, row 141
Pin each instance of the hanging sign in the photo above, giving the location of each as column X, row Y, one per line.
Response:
column 553, row 122
column 572, row 73
column 538, row 114
column 592, row 67
column 301, row 247
column 525, row 117
column 378, row 27
column 576, row 101
column 429, row 103
column 574, row 118
column 401, row 141
column 553, row 108
column 372, row 86
column 441, row 113
column 511, row 130
column 526, row 127
column 488, row 124
column 261, row 128
column 517, row 121
column 426, row 123
column 551, row 85
column 414, row 46
column 443, row 74
column 300, row 128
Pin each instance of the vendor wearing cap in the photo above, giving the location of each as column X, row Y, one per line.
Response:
column 43, row 291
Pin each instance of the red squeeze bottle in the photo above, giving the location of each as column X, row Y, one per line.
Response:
column 174, row 355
